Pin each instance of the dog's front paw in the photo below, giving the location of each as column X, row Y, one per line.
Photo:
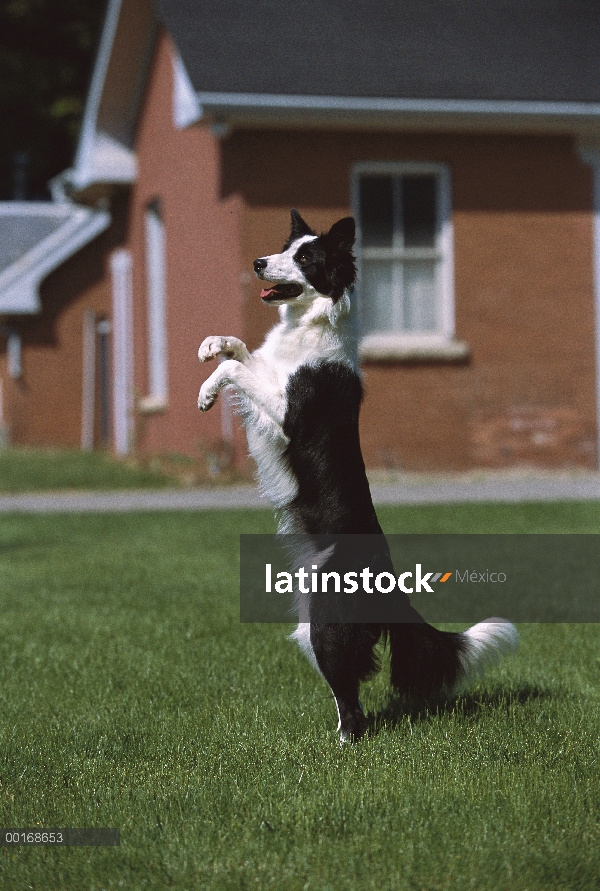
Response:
column 225, row 347
column 211, row 347
column 207, row 397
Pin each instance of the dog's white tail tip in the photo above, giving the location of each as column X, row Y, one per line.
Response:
column 484, row 644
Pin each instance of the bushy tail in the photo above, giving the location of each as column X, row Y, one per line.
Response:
column 484, row 644
column 426, row 661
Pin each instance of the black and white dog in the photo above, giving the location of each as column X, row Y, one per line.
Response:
column 299, row 396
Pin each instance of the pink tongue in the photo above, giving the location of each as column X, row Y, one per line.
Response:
column 266, row 291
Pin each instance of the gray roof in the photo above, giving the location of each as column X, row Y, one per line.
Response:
column 540, row 50
column 19, row 234
column 35, row 238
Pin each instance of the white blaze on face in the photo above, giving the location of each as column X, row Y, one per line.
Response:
column 283, row 267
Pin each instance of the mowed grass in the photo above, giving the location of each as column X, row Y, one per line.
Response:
column 131, row 697
column 29, row 470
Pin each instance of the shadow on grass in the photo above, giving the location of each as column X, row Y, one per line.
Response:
column 6, row 547
column 401, row 707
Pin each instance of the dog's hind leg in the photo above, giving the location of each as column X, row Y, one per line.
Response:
column 345, row 657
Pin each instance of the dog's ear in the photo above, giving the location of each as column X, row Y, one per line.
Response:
column 342, row 265
column 299, row 227
column 343, row 233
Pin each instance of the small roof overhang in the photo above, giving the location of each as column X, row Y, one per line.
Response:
column 35, row 238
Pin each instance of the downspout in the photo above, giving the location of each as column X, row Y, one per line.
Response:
column 14, row 364
column 122, row 327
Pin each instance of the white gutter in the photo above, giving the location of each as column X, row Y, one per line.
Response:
column 189, row 107
column 272, row 101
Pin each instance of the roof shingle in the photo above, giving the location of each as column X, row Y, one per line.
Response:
column 537, row 50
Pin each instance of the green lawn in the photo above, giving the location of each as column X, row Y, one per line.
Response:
column 30, row 470
column 131, row 697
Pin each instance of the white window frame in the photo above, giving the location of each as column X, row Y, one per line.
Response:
column 406, row 344
column 156, row 301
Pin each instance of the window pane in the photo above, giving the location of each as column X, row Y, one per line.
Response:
column 376, row 211
column 377, row 298
column 420, row 306
column 418, row 211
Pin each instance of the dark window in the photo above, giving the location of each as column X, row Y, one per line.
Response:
column 418, row 211
column 377, row 211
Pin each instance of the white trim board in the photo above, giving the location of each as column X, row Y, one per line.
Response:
column 156, row 292
column 84, row 158
column 591, row 156
column 122, row 330
column 186, row 107
column 105, row 149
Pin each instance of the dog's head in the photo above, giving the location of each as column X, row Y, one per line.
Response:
column 310, row 265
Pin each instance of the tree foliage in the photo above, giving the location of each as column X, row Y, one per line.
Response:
column 47, row 51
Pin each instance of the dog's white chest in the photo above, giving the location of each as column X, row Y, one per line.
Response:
column 267, row 444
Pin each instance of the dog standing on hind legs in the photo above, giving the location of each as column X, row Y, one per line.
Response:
column 299, row 395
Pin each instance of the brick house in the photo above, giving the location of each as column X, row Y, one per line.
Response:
column 464, row 136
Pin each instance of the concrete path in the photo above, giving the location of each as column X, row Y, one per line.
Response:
column 386, row 489
column 123, row 500
column 486, row 487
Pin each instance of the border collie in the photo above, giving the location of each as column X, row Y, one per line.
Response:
column 299, row 395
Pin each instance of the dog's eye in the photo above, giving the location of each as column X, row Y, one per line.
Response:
column 303, row 258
